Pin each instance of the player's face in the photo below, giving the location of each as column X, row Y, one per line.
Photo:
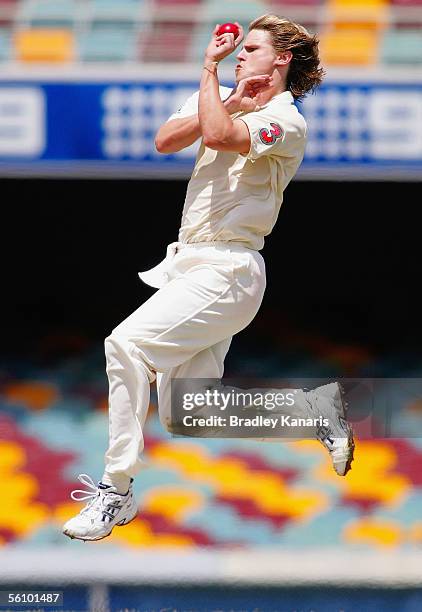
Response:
column 257, row 56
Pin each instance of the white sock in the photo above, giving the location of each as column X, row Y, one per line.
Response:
column 120, row 481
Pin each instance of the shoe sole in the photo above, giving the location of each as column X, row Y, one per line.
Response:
column 121, row 524
column 350, row 439
column 342, row 412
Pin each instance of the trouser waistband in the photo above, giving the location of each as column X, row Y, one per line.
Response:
column 218, row 243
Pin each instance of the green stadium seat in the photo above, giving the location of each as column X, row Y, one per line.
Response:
column 401, row 47
column 115, row 10
column 49, row 13
column 216, row 11
column 108, row 44
column 5, row 46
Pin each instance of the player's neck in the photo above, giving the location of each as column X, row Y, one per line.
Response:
column 265, row 96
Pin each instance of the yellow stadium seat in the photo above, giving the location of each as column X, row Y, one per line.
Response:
column 44, row 45
column 362, row 14
column 349, row 47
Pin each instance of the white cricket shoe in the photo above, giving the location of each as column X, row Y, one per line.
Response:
column 103, row 512
column 337, row 436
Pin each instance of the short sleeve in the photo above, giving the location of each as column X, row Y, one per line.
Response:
column 190, row 107
column 275, row 134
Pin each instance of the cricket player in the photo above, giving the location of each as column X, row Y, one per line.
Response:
column 211, row 283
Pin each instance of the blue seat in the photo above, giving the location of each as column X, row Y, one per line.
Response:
column 115, row 10
column 5, row 47
column 401, row 47
column 242, row 11
column 108, row 44
column 49, row 13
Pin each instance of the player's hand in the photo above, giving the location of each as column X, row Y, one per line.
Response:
column 221, row 46
column 245, row 97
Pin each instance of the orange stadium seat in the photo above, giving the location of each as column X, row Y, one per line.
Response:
column 44, row 45
column 349, row 47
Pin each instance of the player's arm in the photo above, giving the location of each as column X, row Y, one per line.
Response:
column 177, row 134
column 219, row 130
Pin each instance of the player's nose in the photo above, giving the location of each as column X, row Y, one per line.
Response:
column 241, row 55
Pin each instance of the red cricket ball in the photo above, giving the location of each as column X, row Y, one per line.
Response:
column 228, row 28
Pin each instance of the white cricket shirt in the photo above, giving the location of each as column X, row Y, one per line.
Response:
column 234, row 197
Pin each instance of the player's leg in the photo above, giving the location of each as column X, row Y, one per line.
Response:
column 205, row 303
column 211, row 296
column 208, row 363
column 324, row 402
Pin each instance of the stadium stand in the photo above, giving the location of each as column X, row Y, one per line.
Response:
column 4, row 44
column 353, row 32
column 44, row 45
column 108, row 44
column 402, row 47
column 198, row 492
column 48, row 13
column 350, row 47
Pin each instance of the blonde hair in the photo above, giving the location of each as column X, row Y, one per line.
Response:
column 305, row 72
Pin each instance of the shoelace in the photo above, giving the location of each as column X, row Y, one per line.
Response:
column 95, row 496
column 88, row 482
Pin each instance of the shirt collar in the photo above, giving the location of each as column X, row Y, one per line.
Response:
column 285, row 97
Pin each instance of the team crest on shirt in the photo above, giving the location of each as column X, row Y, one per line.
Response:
column 269, row 136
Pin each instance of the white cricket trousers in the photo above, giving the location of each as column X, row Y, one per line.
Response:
column 184, row 330
column 209, row 292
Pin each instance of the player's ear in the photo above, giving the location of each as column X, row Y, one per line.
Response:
column 284, row 58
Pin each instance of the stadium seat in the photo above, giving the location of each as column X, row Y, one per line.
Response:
column 4, row 44
column 349, row 47
column 48, row 13
column 401, row 47
column 216, row 11
column 42, row 45
column 200, row 39
column 108, row 44
column 406, row 3
column 177, row 37
column 358, row 14
column 277, row 6
column 177, row 4
column 7, row 11
column 115, row 11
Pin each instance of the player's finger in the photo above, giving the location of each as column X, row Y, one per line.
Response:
column 239, row 37
column 226, row 36
column 259, row 78
column 216, row 29
column 260, row 82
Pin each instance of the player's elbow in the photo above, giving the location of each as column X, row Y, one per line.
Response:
column 213, row 142
column 219, row 140
column 162, row 144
